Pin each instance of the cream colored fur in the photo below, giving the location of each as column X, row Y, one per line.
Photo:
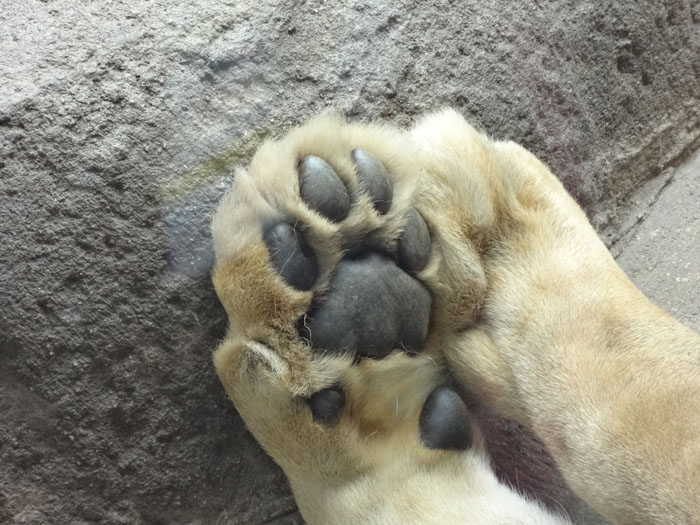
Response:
column 530, row 312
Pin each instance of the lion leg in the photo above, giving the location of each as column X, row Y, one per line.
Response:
column 564, row 343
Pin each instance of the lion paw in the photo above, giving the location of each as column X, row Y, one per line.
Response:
column 321, row 260
column 343, row 276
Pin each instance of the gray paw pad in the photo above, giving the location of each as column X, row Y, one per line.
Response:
column 322, row 190
column 414, row 243
column 444, row 421
column 291, row 256
column 327, row 404
column 375, row 179
column 372, row 308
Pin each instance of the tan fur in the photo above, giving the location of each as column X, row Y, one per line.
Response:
column 530, row 312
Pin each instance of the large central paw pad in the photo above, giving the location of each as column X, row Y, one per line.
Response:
column 373, row 307
column 373, row 304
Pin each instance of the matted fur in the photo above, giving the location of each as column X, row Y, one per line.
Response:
column 530, row 312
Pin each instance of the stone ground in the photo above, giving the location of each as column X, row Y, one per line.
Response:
column 662, row 253
column 120, row 123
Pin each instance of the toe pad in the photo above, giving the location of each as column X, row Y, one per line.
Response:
column 291, row 256
column 444, row 421
column 322, row 190
column 327, row 404
column 375, row 179
column 414, row 242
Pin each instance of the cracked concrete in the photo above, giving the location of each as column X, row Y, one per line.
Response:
column 662, row 253
column 120, row 123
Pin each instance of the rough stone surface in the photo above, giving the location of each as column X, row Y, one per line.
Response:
column 119, row 125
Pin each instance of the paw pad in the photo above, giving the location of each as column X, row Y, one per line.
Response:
column 373, row 307
column 444, row 421
column 327, row 405
column 414, row 242
column 375, row 179
column 291, row 256
column 322, row 190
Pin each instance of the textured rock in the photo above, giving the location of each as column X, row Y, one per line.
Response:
column 119, row 125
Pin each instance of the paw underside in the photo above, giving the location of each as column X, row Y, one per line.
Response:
column 373, row 302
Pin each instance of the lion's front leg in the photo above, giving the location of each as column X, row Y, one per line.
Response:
column 564, row 343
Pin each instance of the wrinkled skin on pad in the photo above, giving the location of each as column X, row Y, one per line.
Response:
column 373, row 307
